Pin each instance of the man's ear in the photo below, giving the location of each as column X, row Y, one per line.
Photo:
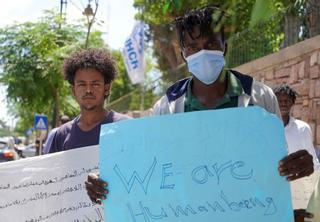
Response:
column 107, row 89
column 183, row 56
column 72, row 90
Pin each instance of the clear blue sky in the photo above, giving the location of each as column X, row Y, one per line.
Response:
column 118, row 17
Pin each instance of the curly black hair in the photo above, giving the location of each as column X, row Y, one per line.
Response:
column 207, row 18
column 286, row 89
column 98, row 59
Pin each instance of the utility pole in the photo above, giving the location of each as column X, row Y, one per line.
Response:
column 142, row 94
column 88, row 12
column 63, row 9
column 56, row 108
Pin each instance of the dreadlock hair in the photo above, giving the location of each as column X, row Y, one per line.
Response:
column 98, row 59
column 286, row 89
column 207, row 18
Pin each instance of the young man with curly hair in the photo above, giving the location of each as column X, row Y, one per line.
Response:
column 90, row 73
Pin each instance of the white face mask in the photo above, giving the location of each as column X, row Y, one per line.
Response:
column 206, row 65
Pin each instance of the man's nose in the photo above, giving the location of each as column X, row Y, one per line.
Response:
column 282, row 103
column 89, row 89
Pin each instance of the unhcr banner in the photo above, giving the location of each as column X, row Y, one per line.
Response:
column 133, row 53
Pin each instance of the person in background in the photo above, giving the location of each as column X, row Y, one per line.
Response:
column 63, row 119
column 37, row 146
column 298, row 133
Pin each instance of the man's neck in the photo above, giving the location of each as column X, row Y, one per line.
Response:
column 286, row 119
column 91, row 118
column 208, row 95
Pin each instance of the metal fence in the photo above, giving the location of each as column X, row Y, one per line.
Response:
column 279, row 31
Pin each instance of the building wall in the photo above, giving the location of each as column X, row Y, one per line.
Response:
column 298, row 66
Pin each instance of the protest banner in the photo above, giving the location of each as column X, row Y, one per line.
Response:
column 203, row 166
column 49, row 188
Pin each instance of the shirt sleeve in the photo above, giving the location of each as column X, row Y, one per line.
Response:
column 57, row 143
column 49, row 141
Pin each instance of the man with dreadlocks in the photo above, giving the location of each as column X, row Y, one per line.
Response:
column 212, row 87
column 298, row 133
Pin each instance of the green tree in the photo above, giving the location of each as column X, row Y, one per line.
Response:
column 253, row 28
column 31, row 56
column 4, row 129
column 159, row 16
column 121, row 84
column 125, row 96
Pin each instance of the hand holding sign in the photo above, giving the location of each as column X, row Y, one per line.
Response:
column 96, row 188
column 296, row 165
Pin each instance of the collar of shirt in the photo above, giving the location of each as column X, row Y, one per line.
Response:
column 291, row 121
column 234, row 89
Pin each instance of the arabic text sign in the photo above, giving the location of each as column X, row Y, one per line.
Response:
column 49, row 188
column 200, row 166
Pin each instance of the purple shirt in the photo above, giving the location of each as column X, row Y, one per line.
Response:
column 70, row 136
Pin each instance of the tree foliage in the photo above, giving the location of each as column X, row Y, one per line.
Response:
column 31, row 57
column 125, row 96
column 253, row 27
column 4, row 129
column 159, row 16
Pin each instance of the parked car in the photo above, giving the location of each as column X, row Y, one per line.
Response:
column 29, row 150
column 7, row 150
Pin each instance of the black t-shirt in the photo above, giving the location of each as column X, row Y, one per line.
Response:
column 70, row 136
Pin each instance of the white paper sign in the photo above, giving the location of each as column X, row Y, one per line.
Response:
column 302, row 189
column 49, row 188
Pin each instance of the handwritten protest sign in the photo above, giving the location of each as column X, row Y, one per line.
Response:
column 201, row 166
column 49, row 188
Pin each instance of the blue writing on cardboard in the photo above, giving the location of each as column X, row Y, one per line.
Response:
column 216, row 165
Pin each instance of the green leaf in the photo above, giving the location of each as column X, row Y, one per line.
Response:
column 262, row 10
column 166, row 7
column 177, row 4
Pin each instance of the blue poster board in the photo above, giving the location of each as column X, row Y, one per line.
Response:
column 202, row 166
